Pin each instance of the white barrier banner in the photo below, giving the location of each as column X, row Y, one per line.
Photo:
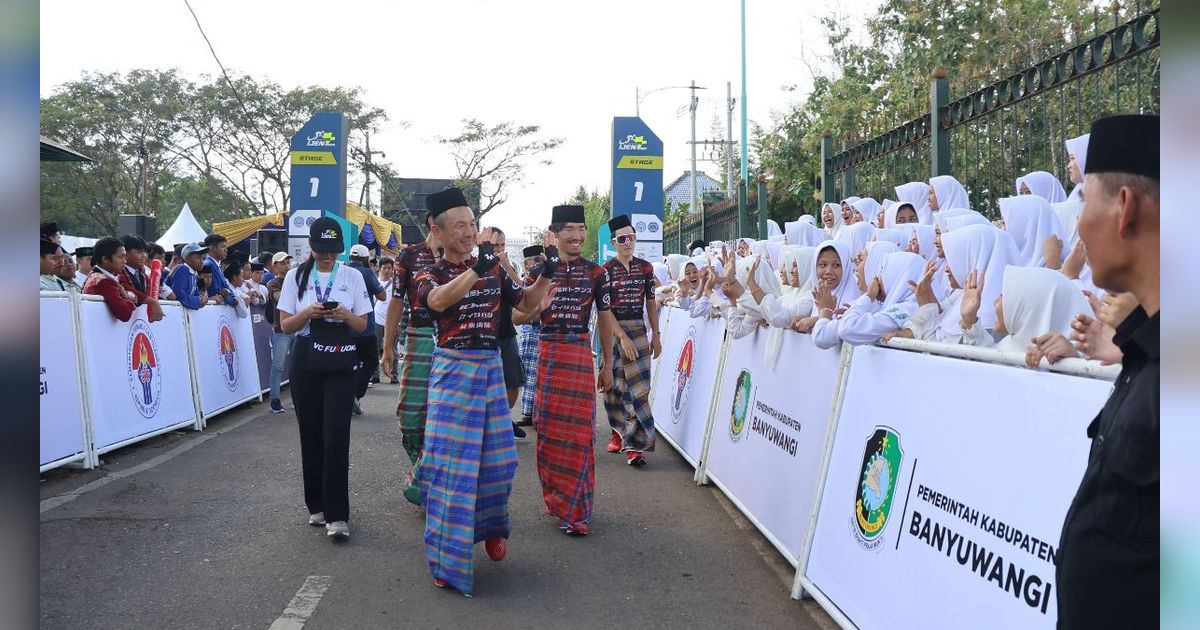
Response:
column 226, row 367
column 691, row 356
column 139, row 376
column 769, row 425
column 946, row 490
column 61, row 425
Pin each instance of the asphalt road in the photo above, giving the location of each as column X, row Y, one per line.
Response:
column 208, row 530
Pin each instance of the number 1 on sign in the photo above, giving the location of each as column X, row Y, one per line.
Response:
column 316, row 183
column 637, row 191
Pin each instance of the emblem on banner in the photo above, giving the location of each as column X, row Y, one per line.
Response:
column 685, row 366
column 227, row 353
column 145, row 375
column 876, row 486
column 741, row 405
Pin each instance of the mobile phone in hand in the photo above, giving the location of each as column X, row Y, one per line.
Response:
column 329, row 306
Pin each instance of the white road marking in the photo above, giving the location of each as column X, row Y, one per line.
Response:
column 304, row 604
column 61, row 499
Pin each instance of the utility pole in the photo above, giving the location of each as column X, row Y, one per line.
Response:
column 729, row 193
column 366, row 156
column 695, row 204
column 145, row 158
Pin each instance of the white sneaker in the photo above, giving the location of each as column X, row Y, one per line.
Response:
column 338, row 529
column 317, row 519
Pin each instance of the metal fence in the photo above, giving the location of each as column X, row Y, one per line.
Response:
column 1015, row 124
column 992, row 135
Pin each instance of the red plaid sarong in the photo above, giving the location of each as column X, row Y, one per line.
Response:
column 564, row 416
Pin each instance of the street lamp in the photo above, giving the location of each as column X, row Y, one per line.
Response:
column 641, row 96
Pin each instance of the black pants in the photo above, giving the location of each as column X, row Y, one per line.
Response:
column 323, row 403
column 368, row 359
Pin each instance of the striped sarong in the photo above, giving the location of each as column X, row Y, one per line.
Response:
column 414, row 394
column 466, row 470
column 564, row 416
column 530, row 334
column 628, row 401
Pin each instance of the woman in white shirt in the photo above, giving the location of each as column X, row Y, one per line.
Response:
column 324, row 302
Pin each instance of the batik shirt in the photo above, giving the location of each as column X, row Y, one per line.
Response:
column 411, row 261
column 576, row 286
column 630, row 288
column 472, row 323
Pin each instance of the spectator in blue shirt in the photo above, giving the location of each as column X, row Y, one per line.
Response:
column 217, row 249
column 183, row 279
column 368, row 352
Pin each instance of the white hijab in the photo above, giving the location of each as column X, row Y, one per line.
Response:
column 773, row 229
column 900, row 268
column 957, row 218
column 950, row 193
column 889, row 215
column 926, row 238
column 857, row 236
column 1078, row 147
column 675, row 265
column 832, row 230
column 1030, row 220
column 868, row 208
column 803, row 232
column 803, row 258
column 661, row 273
column 892, row 235
column 877, row 253
column 847, row 290
column 1043, row 185
column 809, row 219
column 917, row 193
column 1068, row 214
column 983, row 248
column 1037, row 301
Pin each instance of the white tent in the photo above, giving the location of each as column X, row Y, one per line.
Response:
column 185, row 229
column 72, row 243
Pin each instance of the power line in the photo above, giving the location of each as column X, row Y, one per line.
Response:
column 224, row 73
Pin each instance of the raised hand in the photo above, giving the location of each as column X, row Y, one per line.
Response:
column 550, row 265
column 1052, row 250
column 824, row 299
column 1075, row 261
column 875, row 291
column 971, row 298
column 924, row 290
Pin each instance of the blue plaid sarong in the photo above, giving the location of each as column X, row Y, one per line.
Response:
column 466, row 469
column 530, row 335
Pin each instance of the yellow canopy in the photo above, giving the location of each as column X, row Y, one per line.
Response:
column 241, row 229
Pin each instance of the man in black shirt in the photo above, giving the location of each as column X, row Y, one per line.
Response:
column 506, row 335
column 1108, row 554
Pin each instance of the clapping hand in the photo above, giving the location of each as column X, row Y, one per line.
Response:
column 875, row 291
column 1093, row 339
column 1075, row 261
column 824, row 299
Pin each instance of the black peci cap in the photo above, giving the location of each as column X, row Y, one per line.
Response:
column 325, row 236
column 619, row 222
column 533, row 250
column 82, row 251
column 1124, row 144
column 49, row 228
column 440, row 202
column 567, row 214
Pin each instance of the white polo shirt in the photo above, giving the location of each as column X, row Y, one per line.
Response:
column 348, row 289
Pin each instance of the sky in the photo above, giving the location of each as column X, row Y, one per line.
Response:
column 567, row 66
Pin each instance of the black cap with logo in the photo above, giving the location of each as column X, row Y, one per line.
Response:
column 325, row 236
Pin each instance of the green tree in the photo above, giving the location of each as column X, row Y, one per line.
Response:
column 498, row 157
column 159, row 131
column 597, row 210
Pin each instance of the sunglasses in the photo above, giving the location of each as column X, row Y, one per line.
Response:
column 625, row 238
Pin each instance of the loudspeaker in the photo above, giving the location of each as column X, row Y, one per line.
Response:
column 272, row 240
column 139, row 225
